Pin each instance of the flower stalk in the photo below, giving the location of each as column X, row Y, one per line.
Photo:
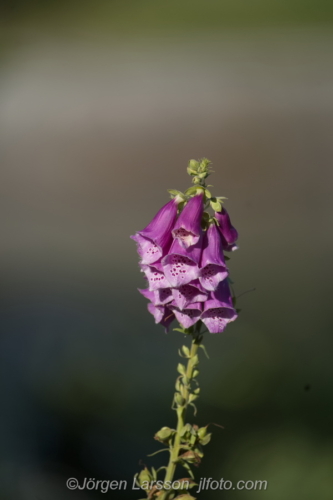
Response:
column 182, row 399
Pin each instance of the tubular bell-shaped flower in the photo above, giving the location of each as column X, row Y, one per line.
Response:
column 154, row 240
column 213, row 269
column 187, row 294
column 189, row 316
column 228, row 232
column 163, row 315
column 182, row 265
column 219, row 309
column 188, row 226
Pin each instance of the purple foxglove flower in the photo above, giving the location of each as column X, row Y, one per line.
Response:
column 155, row 276
column 213, row 268
column 188, row 226
column 182, row 265
column 154, row 240
column 228, row 232
column 189, row 316
column 163, row 315
column 186, row 294
column 158, row 297
column 219, row 310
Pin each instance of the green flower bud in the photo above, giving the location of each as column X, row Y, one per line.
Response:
column 179, row 399
column 202, row 432
column 193, row 165
column 144, row 476
column 164, row 434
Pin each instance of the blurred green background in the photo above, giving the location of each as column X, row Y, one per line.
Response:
column 102, row 105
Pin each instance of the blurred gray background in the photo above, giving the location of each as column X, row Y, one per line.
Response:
column 102, row 105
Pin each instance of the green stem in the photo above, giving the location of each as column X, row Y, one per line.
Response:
column 181, row 414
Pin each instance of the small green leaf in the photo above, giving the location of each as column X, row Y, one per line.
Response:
column 181, row 330
column 181, row 369
column 187, row 467
column 175, row 192
column 216, row 205
column 204, row 350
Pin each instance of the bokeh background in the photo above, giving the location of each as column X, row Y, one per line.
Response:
column 102, row 105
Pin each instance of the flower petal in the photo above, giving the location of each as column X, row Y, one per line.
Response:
column 188, row 226
column 147, row 249
column 158, row 297
column 219, row 310
column 181, row 265
column 189, row 316
column 186, row 294
column 216, row 319
column 163, row 315
column 156, row 278
column 162, row 296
